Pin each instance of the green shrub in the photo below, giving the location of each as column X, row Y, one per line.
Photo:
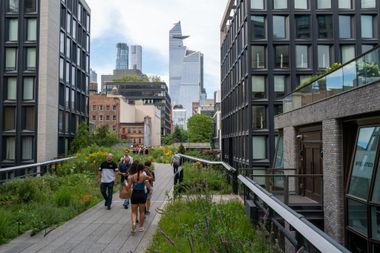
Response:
column 5, row 223
column 63, row 197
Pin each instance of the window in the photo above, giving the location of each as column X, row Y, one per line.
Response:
column 114, row 117
column 345, row 4
column 280, row 4
column 61, row 69
column 302, row 27
column 68, row 23
column 67, row 97
column 259, row 146
column 257, row 4
column 357, row 216
column 302, row 59
column 114, row 108
column 367, row 26
column 345, row 30
column 12, row 29
column 93, row 117
column 279, row 86
column 10, row 59
column 258, row 57
column 366, row 48
column 301, row 4
column 9, row 118
column 367, row 4
column 324, row 4
column 60, row 121
column 62, row 43
column 67, row 117
column 282, row 57
column 113, row 128
column 67, row 72
column 32, row 30
column 10, row 148
column 258, row 87
column 94, row 107
column 107, row 117
column 325, row 27
column 13, row 5
column 11, row 88
column 100, row 117
column 259, row 117
column 323, row 56
column 258, row 27
column 28, row 118
column 376, row 190
column 107, row 107
column 30, row 5
column 27, row 148
column 303, row 79
column 68, row 47
column 28, row 89
column 30, row 58
column 101, row 107
column 279, row 27
column 348, row 53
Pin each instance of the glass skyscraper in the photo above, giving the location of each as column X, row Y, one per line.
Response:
column 122, row 56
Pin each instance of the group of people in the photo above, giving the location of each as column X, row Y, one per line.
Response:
column 134, row 175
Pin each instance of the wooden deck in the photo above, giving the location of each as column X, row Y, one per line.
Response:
column 98, row 229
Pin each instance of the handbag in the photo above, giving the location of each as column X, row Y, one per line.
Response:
column 125, row 192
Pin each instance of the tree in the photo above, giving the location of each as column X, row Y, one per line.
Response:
column 155, row 79
column 81, row 139
column 103, row 137
column 200, row 128
column 178, row 135
column 133, row 78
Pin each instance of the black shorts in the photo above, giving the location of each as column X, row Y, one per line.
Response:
column 138, row 197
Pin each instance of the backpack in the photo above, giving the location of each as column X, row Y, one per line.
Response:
column 176, row 160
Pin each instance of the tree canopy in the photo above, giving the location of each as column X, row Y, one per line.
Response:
column 200, row 128
column 139, row 78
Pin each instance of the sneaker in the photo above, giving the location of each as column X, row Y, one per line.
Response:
column 147, row 212
column 125, row 206
column 108, row 207
column 133, row 229
column 141, row 229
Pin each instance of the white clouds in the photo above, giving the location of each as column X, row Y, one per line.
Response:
column 147, row 22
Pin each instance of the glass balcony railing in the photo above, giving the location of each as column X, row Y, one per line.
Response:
column 361, row 71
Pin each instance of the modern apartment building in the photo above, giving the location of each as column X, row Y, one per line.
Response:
column 44, row 76
column 136, row 57
column 268, row 48
column 122, row 56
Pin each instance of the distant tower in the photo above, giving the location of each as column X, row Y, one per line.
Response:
column 136, row 57
column 122, row 56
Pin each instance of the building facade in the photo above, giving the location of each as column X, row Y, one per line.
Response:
column 136, row 57
column 93, row 76
column 105, row 111
column 118, row 74
column 155, row 93
column 43, row 101
column 268, row 48
column 179, row 117
column 122, row 56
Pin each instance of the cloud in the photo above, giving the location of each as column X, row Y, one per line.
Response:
column 147, row 22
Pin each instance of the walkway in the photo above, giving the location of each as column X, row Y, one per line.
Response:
column 100, row 230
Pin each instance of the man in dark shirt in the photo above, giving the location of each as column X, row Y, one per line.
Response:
column 108, row 171
column 124, row 165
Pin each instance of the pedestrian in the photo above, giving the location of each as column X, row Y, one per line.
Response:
column 108, row 170
column 137, row 182
column 149, row 172
column 146, row 151
column 124, row 166
column 175, row 162
column 126, row 154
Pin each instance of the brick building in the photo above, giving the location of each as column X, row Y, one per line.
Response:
column 105, row 111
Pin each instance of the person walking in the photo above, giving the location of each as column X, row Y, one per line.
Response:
column 126, row 154
column 108, row 170
column 149, row 172
column 124, row 166
column 175, row 162
column 137, row 182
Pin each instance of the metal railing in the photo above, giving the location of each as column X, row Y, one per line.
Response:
column 35, row 169
column 288, row 226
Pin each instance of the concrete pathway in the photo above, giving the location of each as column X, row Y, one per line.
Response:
column 100, row 230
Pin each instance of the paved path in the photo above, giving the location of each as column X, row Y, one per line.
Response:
column 100, row 230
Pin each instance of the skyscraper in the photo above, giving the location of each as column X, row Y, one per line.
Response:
column 136, row 57
column 185, row 71
column 122, row 56
column 45, row 47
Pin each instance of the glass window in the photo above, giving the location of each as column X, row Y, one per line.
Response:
column 279, row 159
column 257, row 4
column 9, row 118
column 11, row 88
column 28, row 118
column 325, row 27
column 323, row 56
column 367, row 26
column 348, row 53
column 62, row 43
column 345, row 4
column 67, row 97
column 68, row 47
column 27, row 148
column 74, row 29
column 68, row 23
column 282, row 57
column 280, row 4
column 345, row 27
column 375, row 224
column 302, row 58
column 279, row 85
column 366, row 48
column 259, row 117
column 301, row 4
column 30, row 58
column 67, row 72
column 259, row 146
column 32, row 29
column 61, row 69
column 258, row 57
column 13, row 5
column 376, row 190
column 30, row 5
column 367, row 4
column 324, row 4
column 28, row 89
column 258, row 27
column 366, row 148
column 279, row 27
column 10, row 148
column 10, row 58
column 302, row 27
column 12, row 29
column 258, row 87
column 357, row 216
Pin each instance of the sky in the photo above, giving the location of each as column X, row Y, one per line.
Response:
column 147, row 23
